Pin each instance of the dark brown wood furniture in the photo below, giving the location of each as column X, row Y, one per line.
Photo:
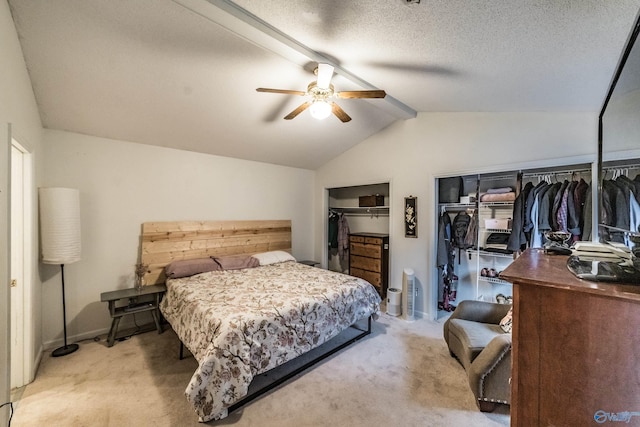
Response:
column 575, row 346
column 369, row 259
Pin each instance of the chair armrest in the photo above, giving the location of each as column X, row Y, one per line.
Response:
column 480, row 311
column 490, row 372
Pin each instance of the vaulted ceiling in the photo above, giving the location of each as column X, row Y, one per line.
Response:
column 183, row 73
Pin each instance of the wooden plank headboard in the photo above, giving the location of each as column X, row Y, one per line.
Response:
column 164, row 242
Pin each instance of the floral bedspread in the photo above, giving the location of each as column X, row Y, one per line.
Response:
column 241, row 323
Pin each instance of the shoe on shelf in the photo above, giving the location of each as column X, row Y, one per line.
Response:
column 484, row 272
column 501, row 299
column 493, row 273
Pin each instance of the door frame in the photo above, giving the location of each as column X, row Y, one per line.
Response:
column 21, row 320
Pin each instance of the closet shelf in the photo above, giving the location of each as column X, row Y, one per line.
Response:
column 493, row 280
column 496, row 230
column 495, row 204
column 355, row 210
column 456, row 206
column 493, row 254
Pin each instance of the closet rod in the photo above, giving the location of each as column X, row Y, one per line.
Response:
column 497, row 178
column 621, row 166
column 551, row 173
column 457, row 207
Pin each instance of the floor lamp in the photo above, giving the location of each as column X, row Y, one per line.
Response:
column 60, row 239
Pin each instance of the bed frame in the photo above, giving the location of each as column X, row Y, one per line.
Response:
column 164, row 242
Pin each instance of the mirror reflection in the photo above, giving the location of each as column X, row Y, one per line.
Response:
column 619, row 192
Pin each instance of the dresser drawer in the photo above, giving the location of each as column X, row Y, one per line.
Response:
column 373, row 240
column 374, row 278
column 357, row 239
column 365, row 263
column 370, row 251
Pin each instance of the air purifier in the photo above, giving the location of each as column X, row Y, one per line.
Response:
column 409, row 293
column 394, row 302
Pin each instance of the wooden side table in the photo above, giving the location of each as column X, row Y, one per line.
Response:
column 150, row 301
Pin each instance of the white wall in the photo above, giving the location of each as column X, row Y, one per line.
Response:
column 411, row 154
column 19, row 117
column 124, row 184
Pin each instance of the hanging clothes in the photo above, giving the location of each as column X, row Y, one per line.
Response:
column 545, row 209
column 623, row 195
column 528, row 208
column 470, row 239
column 444, row 258
column 616, row 206
column 517, row 238
column 444, row 255
column 536, row 208
column 558, row 213
column 343, row 237
column 587, row 215
column 579, row 198
column 333, row 230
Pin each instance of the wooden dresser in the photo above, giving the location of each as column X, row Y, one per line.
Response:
column 576, row 346
column 369, row 259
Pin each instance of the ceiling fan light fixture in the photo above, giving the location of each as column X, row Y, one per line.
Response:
column 325, row 72
column 320, row 110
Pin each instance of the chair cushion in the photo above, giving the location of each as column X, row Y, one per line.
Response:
column 469, row 338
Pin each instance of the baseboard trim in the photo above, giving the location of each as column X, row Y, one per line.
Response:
column 53, row 344
column 36, row 364
column 126, row 323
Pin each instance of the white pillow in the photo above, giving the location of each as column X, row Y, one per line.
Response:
column 272, row 257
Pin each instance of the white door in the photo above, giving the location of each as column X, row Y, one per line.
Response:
column 21, row 215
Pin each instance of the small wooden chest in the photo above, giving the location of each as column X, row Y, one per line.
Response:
column 371, row 201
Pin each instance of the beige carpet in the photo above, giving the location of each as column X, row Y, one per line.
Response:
column 400, row 375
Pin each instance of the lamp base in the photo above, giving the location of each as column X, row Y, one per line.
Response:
column 63, row 351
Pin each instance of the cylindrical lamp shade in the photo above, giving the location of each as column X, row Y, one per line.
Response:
column 60, row 225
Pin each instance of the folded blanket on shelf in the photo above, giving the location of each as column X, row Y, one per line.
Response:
column 498, row 197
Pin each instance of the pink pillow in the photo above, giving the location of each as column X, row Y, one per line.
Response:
column 236, row 262
column 189, row 267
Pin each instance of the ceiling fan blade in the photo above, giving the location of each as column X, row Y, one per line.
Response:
column 285, row 91
column 339, row 113
column 297, row 111
column 325, row 72
column 347, row 94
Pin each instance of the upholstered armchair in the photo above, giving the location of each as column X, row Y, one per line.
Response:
column 474, row 336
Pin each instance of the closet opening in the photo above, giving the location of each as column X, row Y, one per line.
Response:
column 358, row 232
column 486, row 220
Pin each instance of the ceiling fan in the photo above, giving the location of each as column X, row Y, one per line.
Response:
column 320, row 93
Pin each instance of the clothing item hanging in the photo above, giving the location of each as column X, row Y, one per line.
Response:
column 621, row 207
column 339, row 233
column 445, row 260
column 343, row 237
column 333, row 229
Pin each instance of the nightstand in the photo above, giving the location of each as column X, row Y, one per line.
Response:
column 132, row 301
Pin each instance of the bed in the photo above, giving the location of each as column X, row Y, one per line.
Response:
column 258, row 310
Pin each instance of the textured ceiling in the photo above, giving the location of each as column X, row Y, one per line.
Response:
column 183, row 73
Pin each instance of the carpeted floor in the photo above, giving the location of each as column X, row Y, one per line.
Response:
column 400, row 375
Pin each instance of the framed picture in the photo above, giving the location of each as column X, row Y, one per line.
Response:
column 411, row 216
